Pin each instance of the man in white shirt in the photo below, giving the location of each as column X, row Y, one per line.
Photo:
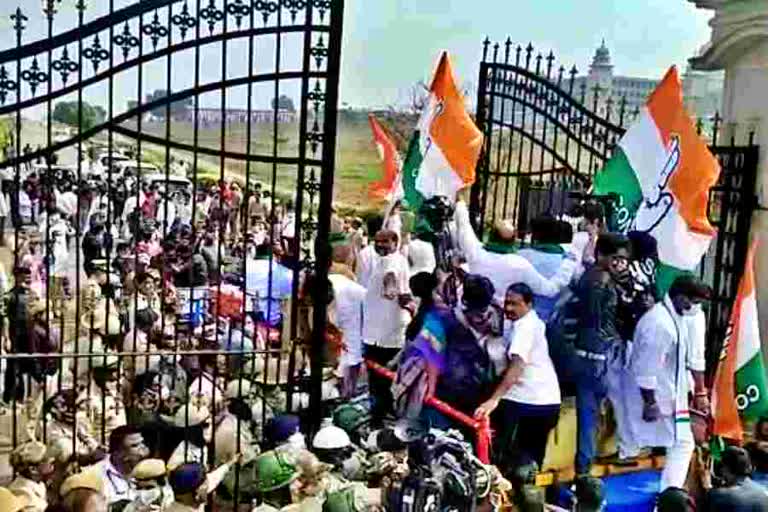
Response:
column 126, row 449
column 385, row 319
column 25, row 207
column 347, row 307
column 526, row 404
column 55, row 231
column 506, row 269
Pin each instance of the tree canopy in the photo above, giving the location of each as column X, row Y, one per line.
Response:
column 283, row 103
column 66, row 112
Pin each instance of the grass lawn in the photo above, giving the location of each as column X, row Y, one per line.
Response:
column 357, row 161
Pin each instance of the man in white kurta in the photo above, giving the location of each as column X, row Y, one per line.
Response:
column 348, row 299
column 385, row 319
column 506, row 269
column 666, row 353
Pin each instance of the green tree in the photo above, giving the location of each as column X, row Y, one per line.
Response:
column 66, row 112
column 177, row 107
column 283, row 103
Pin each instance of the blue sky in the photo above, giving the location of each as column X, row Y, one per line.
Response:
column 391, row 44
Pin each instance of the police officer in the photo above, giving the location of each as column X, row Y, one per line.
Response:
column 333, row 446
column 152, row 489
column 274, row 474
column 282, row 433
column 105, row 403
column 191, row 486
column 33, row 466
column 354, row 418
column 97, row 275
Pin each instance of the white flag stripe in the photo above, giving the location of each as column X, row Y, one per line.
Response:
column 748, row 343
column 645, row 151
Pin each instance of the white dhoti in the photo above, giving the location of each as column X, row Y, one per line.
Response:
column 679, row 456
column 619, row 382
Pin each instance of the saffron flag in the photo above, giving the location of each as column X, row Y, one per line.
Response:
column 449, row 141
column 740, row 387
column 661, row 171
column 390, row 186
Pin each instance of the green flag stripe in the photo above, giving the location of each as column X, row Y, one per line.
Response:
column 751, row 390
column 618, row 177
column 665, row 276
column 413, row 198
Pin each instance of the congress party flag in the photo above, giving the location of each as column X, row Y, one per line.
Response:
column 661, row 171
column 449, row 141
column 740, row 388
column 390, row 185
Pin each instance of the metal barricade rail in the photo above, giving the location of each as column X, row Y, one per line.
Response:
column 482, row 428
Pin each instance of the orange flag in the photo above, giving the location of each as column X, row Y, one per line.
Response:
column 385, row 188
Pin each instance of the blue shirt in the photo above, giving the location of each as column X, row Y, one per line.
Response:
column 257, row 284
column 547, row 264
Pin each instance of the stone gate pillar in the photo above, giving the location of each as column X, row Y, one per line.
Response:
column 739, row 45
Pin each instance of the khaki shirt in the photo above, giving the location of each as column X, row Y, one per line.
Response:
column 105, row 408
column 89, row 297
column 60, row 437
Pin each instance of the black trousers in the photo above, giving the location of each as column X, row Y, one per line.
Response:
column 14, row 385
column 522, row 431
column 379, row 388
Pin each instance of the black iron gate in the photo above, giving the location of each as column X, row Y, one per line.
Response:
column 548, row 130
column 166, row 103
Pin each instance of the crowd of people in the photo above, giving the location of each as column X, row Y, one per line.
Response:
column 163, row 383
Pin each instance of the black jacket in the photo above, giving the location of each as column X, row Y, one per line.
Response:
column 745, row 496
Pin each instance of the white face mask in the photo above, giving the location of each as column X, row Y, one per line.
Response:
column 693, row 310
column 297, row 441
column 149, row 496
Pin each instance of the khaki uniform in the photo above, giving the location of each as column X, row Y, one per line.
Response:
column 34, row 492
column 60, row 437
column 107, row 408
column 226, row 440
column 90, row 296
column 178, row 507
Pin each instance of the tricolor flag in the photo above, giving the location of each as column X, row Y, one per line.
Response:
column 740, row 384
column 661, row 172
column 449, row 143
column 390, row 185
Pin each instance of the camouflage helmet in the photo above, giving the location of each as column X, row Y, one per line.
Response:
column 273, row 471
column 344, row 500
column 242, row 482
column 351, row 416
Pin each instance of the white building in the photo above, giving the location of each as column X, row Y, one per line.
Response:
column 238, row 116
column 701, row 90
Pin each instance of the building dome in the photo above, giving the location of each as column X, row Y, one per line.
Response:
column 602, row 57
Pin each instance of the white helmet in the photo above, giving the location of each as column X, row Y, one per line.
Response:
column 330, row 437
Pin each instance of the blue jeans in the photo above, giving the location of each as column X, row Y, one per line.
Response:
column 591, row 390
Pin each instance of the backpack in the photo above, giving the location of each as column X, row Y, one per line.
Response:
column 562, row 335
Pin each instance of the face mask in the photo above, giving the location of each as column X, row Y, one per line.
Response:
column 351, row 468
column 297, row 441
column 693, row 310
column 149, row 496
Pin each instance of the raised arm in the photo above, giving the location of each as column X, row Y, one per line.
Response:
column 466, row 238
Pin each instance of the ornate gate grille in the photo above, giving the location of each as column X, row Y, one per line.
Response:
column 546, row 134
column 194, row 87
